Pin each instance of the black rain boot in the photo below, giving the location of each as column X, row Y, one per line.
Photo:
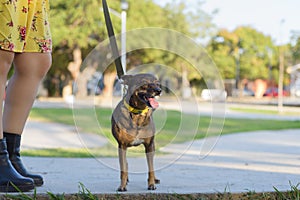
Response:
column 13, row 142
column 9, row 177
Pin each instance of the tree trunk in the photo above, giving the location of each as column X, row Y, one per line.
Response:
column 83, row 78
column 74, row 67
column 186, row 89
column 109, row 80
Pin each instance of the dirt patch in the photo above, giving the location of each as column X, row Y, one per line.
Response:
column 217, row 196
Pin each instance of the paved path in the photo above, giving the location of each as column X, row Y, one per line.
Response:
column 243, row 162
column 39, row 135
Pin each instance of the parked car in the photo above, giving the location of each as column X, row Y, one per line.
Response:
column 213, row 94
column 273, row 92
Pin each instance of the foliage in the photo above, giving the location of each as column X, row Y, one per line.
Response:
column 195, row 22
column 174, row 16
column 80, row 24
column 255, row 52
column 76, row 23
column 295, row 50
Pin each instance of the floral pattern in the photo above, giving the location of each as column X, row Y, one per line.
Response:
column 22, row 33
column 25, row 26
column 44, row 44
column 6, row 44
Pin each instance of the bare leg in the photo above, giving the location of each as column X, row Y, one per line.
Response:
column 9, row 177
column 30, row 69
column 6, row 59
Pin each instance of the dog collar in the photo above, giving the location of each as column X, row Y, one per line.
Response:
column 134, row 110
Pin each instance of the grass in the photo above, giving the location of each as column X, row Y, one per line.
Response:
column 259, row 111
column 172, row 127
column 85, row 194
column 294, row 193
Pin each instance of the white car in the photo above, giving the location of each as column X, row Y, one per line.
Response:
column 213, row 94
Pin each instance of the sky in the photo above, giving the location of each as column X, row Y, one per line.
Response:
column 275, row 18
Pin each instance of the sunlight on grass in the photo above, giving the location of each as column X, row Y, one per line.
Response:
column 260, row 111
column 173, row 127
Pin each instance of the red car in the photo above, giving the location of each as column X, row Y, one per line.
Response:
column 273, row 92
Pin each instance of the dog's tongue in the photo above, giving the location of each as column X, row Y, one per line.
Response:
column 153, row 103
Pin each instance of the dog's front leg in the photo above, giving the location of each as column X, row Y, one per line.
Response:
column 150, row 150
column 123, row 169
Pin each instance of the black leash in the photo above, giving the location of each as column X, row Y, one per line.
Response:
column 112, row 39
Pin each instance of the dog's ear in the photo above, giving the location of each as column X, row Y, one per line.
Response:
column 126, row 79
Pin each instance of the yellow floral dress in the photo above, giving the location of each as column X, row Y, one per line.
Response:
column 24, row 26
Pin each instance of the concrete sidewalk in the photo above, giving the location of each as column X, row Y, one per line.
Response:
column 39, row 135
column 255, row 161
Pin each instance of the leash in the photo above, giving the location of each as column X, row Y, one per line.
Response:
column 112, row 40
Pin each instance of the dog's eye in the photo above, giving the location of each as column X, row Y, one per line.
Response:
column 157, row 83
column 145, row 86
column 154, row 85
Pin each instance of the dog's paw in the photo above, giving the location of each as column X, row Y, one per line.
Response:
column 151, row 187
column 157, row 181
column 122, row 189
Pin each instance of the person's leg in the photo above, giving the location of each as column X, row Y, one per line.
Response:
column 6, row 59
column 8, row 175
column 30, row 69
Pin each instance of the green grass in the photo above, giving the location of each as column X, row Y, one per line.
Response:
column 85, row 194
column 294, row 193
column 172, row 127
column 260, row 111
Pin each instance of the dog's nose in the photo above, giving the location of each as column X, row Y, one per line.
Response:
column 157, row 90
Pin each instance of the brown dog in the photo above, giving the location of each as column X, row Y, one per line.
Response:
column 132, row 122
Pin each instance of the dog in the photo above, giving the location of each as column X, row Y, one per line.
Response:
column 132, row 122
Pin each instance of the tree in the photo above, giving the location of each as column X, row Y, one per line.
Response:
column 254, row 51
column 295, row 49
column 175, row 16
column 78, row 26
